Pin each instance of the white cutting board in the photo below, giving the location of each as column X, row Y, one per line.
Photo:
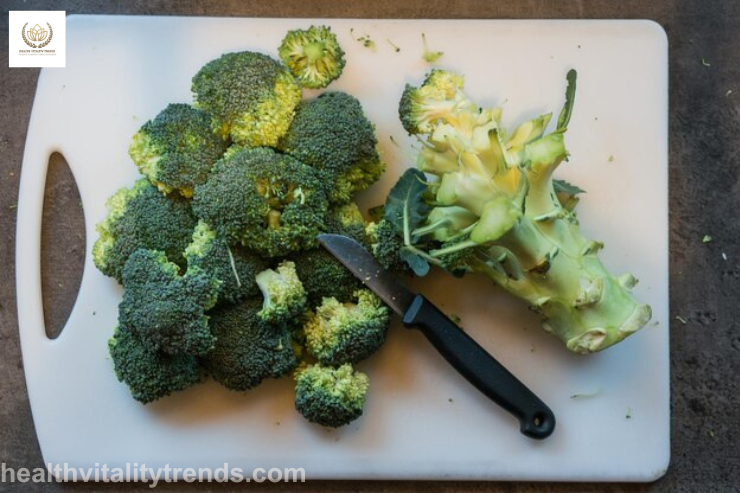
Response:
column 422, row 420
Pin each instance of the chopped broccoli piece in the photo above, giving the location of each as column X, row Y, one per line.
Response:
column 250, row 97
column 141, row 217
column 269, row 202
column 176, row 149
column 248, row 350
column 330, row 396
column 323, row 276
column 492, row 207
column 164, row 309
column 347, row 332
column 150, row 375
column 332, row 134
column 428, row 55
column 346, row 219
column 386, row 246
column 233, row 265
column 313, row 56
column 284, row 298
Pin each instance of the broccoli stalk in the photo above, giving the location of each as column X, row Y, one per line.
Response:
column 494, row 209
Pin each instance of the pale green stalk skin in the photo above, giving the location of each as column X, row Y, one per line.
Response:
column 525, row 240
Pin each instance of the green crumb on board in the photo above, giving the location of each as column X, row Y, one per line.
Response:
column 706, row 239
column 711, row 433
column 430, row 56
column 365, row 40
column 393, row 45
column 681, row 319
column 585, row 395
column 610, row 158
column 456, row 318
column 705, row 62
column 729, row 91
column 629, row 413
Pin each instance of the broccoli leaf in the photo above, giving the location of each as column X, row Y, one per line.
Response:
column 418, row 264
column 405, row 202
column 562, row 186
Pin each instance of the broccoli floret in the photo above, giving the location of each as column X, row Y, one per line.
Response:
column 330, row 396
column 283, row 295
column 141, row 217
column 323, row 276
column 313, row 55
column 347, row 220
column 349, row 332
column 177, row 149
column 250, row 97
column 269, row 202
column 439, row 98
column 386, row 246
column 149, row 374
column 248, row 350
column 332, row 134
column 164, row 309
column 233, row 265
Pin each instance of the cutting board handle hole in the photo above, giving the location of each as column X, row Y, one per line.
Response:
column 62, row 245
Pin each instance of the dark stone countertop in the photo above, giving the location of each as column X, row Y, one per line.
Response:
column 704, row 199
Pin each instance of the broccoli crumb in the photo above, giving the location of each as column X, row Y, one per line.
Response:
column 610, row 158
column 706, row 239
column 629, row 413
column 365, row 40
column 729, row 91
column 395, row 47
column 711, row 433
column 584, row 395
column 705, row 62
column 430, row 56
column 449, row 400
column 681, row 319
column 456, row 318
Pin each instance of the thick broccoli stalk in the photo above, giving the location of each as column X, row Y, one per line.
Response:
column 494, row 209
column 176, row 149
column 283, row 295
column 250, row 96
column 141, row 217
column 164, row 309
column 332, row 134
column 150, row 375
column 271, row 203
column 233, row 265
column 350, row 332
column 330, row 396
column 248, row 349
column 313, row 56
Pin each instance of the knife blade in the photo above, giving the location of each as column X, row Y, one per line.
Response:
column 481, row 369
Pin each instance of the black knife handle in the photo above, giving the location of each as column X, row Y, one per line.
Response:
column 480, row 368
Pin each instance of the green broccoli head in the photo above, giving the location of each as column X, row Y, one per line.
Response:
column 330, row 396
column 176, row 149
column 141, row 217
column 269, row 202
column 313, row 56
column 323, row 276
column 150, row 375
column 250, row 97
column 346, row 219
column 349, row 332
column 283, row 295
column 233, row 265
column 248, row 350
column 164, row 309
column 332, row 134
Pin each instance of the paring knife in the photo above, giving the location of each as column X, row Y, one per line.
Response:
column 459, row 349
